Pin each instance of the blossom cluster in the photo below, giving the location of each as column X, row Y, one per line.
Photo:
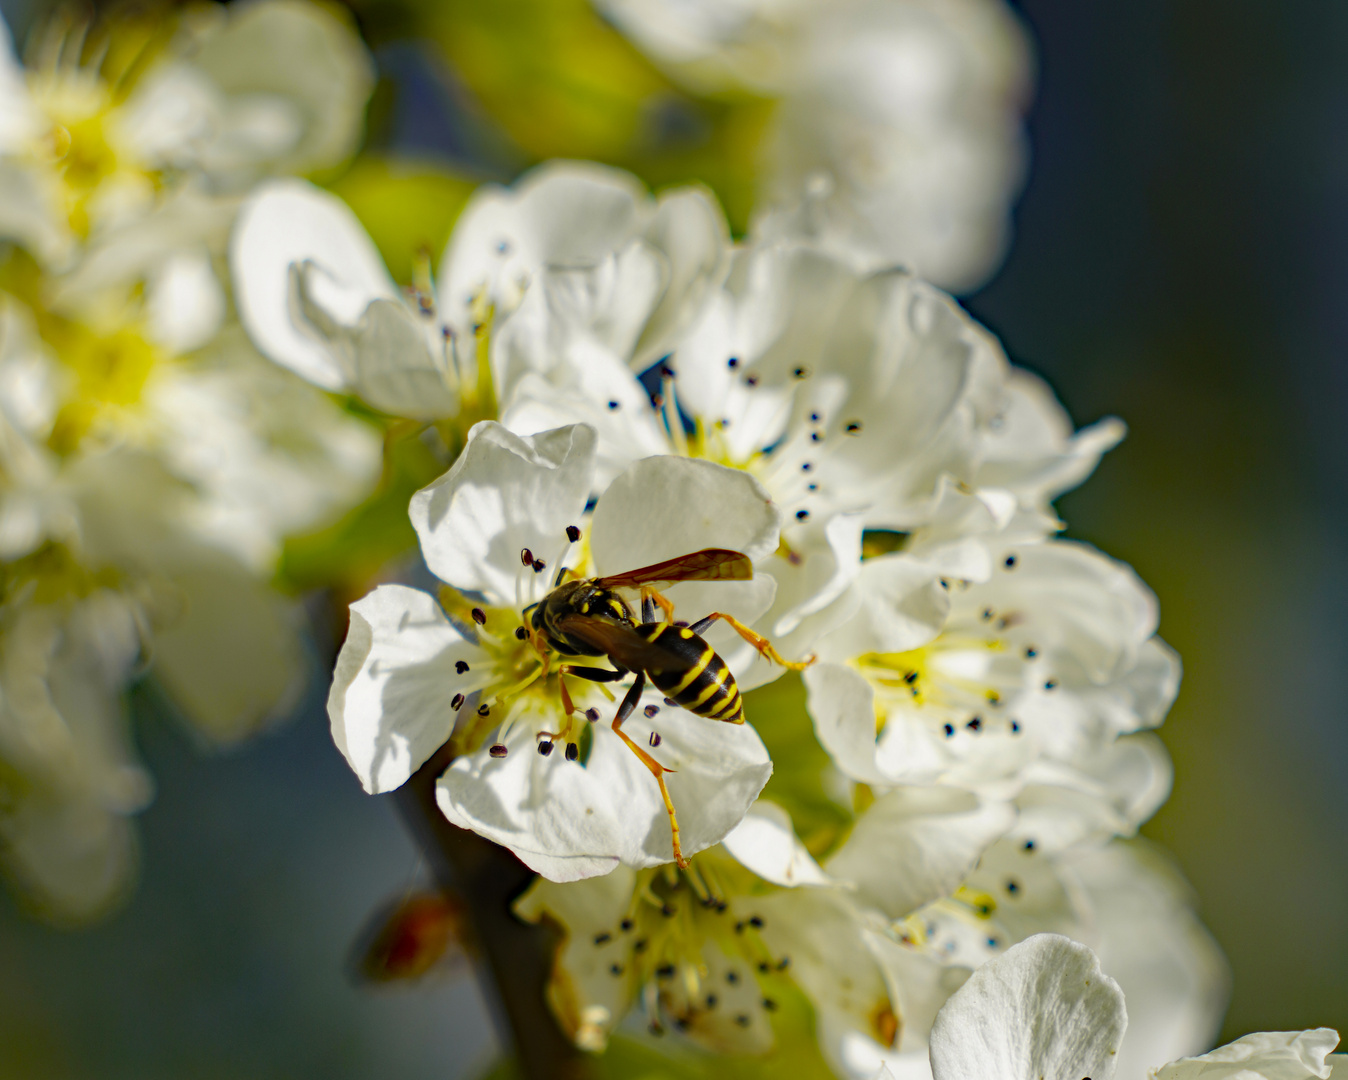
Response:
column 151, row 461
column 968, row 753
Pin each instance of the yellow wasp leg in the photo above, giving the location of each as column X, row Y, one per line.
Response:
column 758, row 641
column 657, row 770
column 668, row 608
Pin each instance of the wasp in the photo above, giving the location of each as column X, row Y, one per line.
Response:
column 589, row 618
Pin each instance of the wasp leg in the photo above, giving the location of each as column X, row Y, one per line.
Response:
column 758, row 641
column 657, row 770
column 649, row 598
column 589, row 674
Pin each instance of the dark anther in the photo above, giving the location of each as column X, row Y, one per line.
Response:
column 1028, row 845
column 666, row 372
column 613, row 405
column 816, row 437
column 655, row 738
column 945, row 584
column 651, row 710
column 484, row 710
column 732, row 977
column 626, row 924
column 461, row 666
column 639, row 946
column 1015, row 727
column 910, row 677
column 572, row 533
column 814, row 418
column 806, row 466
column 992, row 943
column 572, row 751
column 711, row 1001
column 783, row 963
column 1031, row 652
column 498, row 750
column 976, row 724
column 764, row 967
column 755, row 922
column 1009, row 562
column 739, row 927
column 521, row 633
column 457, row 703
column 801, row 515
column 812, row 487
column 949, row 729
column 592, row 715
column 682, row 1023
column 769, row 1004
column 1052, row 684
column 721, row 906
column 671, row 702
column 665, row 971
column 539, row 566
column 544, row 748
column 615, row 969
column 751, row 381
column 801, row 372
column 733, row 362
column 526, row 557
column 853, row 427
column 668, row 910
column 603, row 939
column 1012, row 886
column 479, row 616
column 987, row 614
column 742, row 1020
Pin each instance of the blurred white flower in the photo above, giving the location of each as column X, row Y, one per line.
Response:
column 412, row 673
column 1046, row 1008
column 897, row 131
column 93, row 139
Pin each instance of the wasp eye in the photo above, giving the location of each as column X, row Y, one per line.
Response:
column 521, row 633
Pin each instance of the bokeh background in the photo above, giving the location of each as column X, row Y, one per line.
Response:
column 1180, row 260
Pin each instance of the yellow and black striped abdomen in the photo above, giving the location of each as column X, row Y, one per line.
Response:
column 697, row 678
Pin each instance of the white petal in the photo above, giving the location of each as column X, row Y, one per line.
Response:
column 902, row 607
column 842, row 705
column 385, row 354
column 915, row 845
column 569, row 821
column 286, row 223
column 390, row 702
column 1265, row 1055
column 766, row 843
column 504, row 493
column 1042, row 1009
column 233, row 658
column 1145, row 931
column 664, row 507
column 185, row 304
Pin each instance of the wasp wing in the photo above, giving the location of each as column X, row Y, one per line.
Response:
column 709, row 564
column 622, row 645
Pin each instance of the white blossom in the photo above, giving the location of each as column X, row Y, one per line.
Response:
column 413, row 673
column 896, row 136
